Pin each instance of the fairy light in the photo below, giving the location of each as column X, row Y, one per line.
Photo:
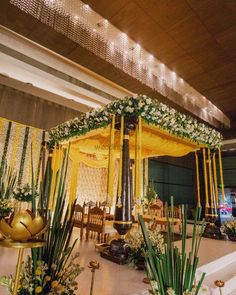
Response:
column 77, row 10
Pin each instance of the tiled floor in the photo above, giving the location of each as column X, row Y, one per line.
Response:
column 113, row 279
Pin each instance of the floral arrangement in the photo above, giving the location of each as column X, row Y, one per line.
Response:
column 229, row 228
column 203, row 290
column 173, row 272
column 41, row 281
column 6, row 207
column 136, row 244
column 24, row 194
column 151, row 195
column 152, row 112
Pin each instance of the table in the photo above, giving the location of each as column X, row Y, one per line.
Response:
column 161, row 220
column 21, row 246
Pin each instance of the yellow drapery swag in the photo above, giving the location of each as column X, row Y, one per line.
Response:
column 205, row 178
column 215, row 180
column 197, row 180
column 57, row 156
column 138, row 163
column 221, row 176
column 119, row 204
column 210, row 179
column 111, row 164
column 100, row 148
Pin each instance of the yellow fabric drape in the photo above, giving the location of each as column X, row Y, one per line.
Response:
column 155, row 142
column 197, row 180
column 221, row 176
column 73, row 184
column 111, row 164
column 120, row 166
column 210, row 178
column 56, row 165
column 215, row 180
column 138, row 161
column 205, row 178
column 15, row 146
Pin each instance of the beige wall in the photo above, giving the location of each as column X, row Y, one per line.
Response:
column 30, row 110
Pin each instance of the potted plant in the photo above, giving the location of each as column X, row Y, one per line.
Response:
column 135, row 243
column 229, row 228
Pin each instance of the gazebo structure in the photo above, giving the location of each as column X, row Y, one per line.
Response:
column 130, row 130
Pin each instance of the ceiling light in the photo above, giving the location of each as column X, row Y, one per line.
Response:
column 86, row 6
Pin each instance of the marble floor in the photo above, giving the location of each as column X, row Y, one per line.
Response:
column 113, row 279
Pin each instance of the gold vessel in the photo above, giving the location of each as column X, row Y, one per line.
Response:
column 22, row 226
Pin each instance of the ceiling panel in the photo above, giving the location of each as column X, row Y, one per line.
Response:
column 195, row 38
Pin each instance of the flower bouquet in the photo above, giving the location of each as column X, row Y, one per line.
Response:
column 229, row 228
column 24, row 194
column 135, row 243
column 43, row 281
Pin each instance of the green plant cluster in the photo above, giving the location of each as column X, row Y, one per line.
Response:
column 175, row 269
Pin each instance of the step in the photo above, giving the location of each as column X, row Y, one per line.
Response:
column 223, row 268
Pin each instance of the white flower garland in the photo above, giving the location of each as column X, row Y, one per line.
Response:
column 152, row 112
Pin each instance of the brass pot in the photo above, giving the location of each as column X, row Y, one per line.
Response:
column 22, row 226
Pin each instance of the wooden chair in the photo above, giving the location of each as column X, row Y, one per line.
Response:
column 79, row 218
column 176, row 214
column 156, row 210
column 97, row 224
column 103, row 205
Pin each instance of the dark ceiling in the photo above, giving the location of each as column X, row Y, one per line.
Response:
column 195, row 38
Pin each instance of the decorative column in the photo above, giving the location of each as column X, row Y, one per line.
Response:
column 117, row 251
column 123, row 216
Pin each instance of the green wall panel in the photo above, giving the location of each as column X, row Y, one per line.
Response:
column 170, row 180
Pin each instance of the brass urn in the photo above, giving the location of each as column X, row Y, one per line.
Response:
column 22, row 226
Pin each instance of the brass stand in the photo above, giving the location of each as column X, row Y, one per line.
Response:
column 21, row 246
column 220, row 284
column 93, row 265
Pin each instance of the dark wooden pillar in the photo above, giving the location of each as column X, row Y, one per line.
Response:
column 123, row 214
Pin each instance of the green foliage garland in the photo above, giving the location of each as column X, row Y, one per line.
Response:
column 152, row 112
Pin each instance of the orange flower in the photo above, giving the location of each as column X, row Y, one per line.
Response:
column 38, row 290
column 54, row 284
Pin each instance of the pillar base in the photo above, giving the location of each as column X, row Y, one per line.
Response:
column 117, row 252
column 213, row 232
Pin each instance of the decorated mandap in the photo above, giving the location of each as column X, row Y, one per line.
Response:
column 123, row 134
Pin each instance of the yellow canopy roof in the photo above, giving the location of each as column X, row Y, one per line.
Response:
column 93, row 148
